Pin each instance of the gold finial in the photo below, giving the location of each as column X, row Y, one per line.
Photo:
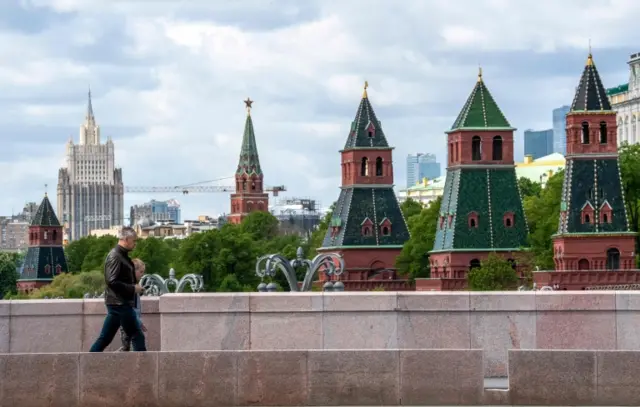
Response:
column 248, row 104
column 366, row 85
column 590, row 57
column 45, row 189
column 479, row 73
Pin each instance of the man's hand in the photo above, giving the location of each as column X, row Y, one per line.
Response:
column 139, row 289
column 144, row 328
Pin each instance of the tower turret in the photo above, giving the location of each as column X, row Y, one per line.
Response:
column 249, row 195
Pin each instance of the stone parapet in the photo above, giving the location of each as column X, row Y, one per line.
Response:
column 494, row 322
column 243, row 378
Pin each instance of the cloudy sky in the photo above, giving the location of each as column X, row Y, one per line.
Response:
column 168, row 79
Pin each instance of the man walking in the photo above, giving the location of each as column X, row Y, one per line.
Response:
column 120, row 295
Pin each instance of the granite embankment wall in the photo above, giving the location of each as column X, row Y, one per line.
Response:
column 315, row 378
column 493, row 322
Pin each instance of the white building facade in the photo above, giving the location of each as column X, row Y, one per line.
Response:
column 90, row 188
column 625, row 100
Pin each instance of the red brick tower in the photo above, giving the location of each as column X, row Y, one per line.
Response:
column 249, row 196
column 367, row 227
column 594, row 244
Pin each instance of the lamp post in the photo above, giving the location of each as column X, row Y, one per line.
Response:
column 268, row 265
column 155, row 285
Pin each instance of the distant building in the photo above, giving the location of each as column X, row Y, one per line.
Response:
column 424, row 192
column 156, row 211
column 421, row 166
column 298, row 216
column 559, row 134
column 542, row 169
column 538, row 143
column 625, row 100
column 90, row 189
column 14, row 229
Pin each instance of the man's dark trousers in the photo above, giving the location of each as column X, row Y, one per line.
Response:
column 118, row 315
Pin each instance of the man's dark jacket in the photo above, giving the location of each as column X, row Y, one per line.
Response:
column 120, row 278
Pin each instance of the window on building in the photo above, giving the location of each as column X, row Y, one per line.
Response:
column 370, row 134
column 379, row 167
column 476, row 148
column 46, row 235
column 474, row 264
column 585, row 133
column 364, row 167
column 472, row 220
column 55, row 235
column 603, row 132
column 497, row 148
column 613, row 259
column 366, row 231
column 386, row 231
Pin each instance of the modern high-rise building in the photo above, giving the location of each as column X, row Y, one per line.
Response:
column 90, row 189
column 421, row 166
column 625, row 100
column 559, row 134
column 538, row 143
column 155, row 211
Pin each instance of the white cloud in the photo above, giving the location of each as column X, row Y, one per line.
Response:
column 190, row 65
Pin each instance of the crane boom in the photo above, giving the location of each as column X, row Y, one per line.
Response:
column 185, row 190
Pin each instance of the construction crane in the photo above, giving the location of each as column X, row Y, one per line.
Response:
column 196, row 187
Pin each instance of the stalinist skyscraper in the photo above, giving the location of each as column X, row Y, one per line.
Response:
column 90, row 190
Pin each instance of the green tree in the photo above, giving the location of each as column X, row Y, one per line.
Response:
column 318, row 235
column 260, row 225
column 8, row 274
column 529, row 188
column 156, row 254
column 76, row 252
column 99, row 247
column 543, row 214
column 630, row 173
column 411, row 207
column 70, row 285
column 414, row 257
column 494, row 274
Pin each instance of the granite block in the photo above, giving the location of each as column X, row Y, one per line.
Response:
column 91, row 328
column 291, row 330
column 502, row 301
column 5, row 308
column 433, row 301
column 5, row 335
column 361, row 330
column 617, row 378
column 46, row 307
column 628, row 330
column 576, row 330
column 94, row 306
column 575, row 301
column 272, row 378
column 204, row 303
column 497, row 332
column 286, row 302
column 342, row 378
column 552, row 378
column 46, row 333
column 366, row 301
column 34, row 380
column 441, row 377
column 132, row 376
column 3, row 378
column 215, row 331
column 150, row 305
column 197, row 379
column 433, row 330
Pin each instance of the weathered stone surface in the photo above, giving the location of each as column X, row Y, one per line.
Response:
column 122, row 379
column 575, row 301
column 433, row 301
column 416, row 330
column 502, row 301
column 292, row 330
column 441, row 377
column 46, row 307
column 34, row 380
column 197, row 379
column 292, row 302
column 272, row 378
column 617, row 378
column 576, row 330
column 353, row 378
column 204, row 303
column 360, row 330
column 361, row 301
column 557, row 378
column 46, row 333
column 205, row 331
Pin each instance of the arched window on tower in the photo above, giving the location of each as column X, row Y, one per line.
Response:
column 476, row 148
column 497, row 148
column 364, row 167
column 603, row 132
column 55, row 235
column 244, row 184
column 613, row 259
column 379, row 167
column 585, row 133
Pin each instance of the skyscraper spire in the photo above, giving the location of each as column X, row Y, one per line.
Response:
column 90, row 107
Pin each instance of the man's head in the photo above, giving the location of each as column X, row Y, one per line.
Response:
column 140, row 267
column 127, row 238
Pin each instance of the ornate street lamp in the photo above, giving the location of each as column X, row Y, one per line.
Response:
column 267, row 266
column 155, row 285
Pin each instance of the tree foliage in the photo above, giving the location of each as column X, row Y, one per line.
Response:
column 410, row 207
column 529, row 188
column 630, row 172
column 8, row 273
column 494, row 274
column 414, row 257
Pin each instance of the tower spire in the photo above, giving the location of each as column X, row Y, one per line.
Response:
column 89, row 105
column 364, row 94
column 249, row 162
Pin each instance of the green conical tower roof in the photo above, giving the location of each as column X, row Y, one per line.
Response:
column 249, row 162
column 366, row 129
column 45, row 216
column 481, row 112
